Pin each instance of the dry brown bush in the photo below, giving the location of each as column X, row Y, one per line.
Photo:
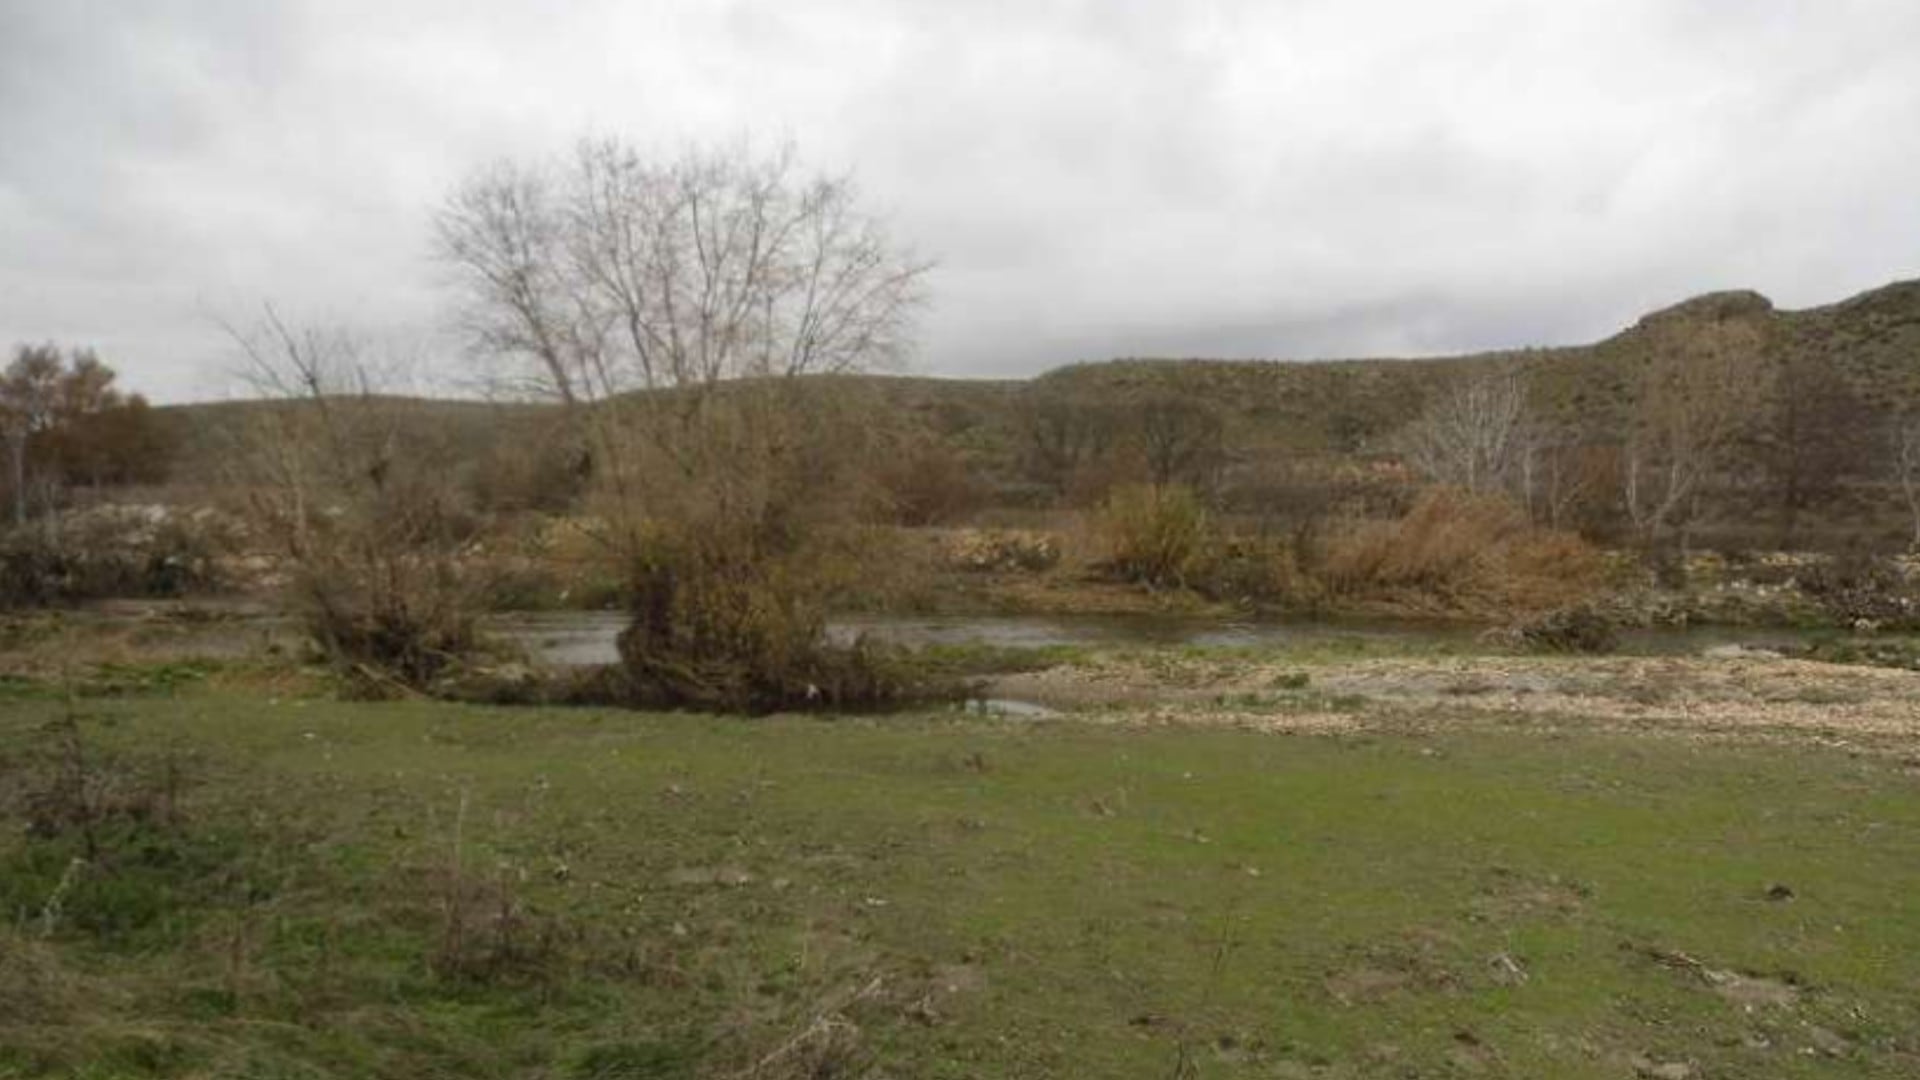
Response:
column 1468, row 552
column 673, row 307
column 113, row 551
column 928, row 483
column 541, row 471
column 1002, row 550
column 1160, row 536
column 738, row 513
column 359, row 505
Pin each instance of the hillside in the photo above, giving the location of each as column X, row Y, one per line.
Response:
column 1312, row 408
column 1872, row 340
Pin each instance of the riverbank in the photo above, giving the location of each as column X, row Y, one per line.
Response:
column 1262, row 849
column 1730, row 692
column 158, row 633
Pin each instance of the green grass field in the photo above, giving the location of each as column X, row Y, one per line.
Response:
column 292, row 887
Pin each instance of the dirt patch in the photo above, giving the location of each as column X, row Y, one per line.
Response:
column 1692, row 695
column 1510, row 896
column 958, row 978
column 1648, row 1069
column 1749, row 991
column 932, row 999
column 1417, row 963
column 1364, row 985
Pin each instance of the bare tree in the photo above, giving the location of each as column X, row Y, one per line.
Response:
column 29, row 391
column 502, row 232
column 1573, row 481
column 672, row 305
column 1474, row 434
column 65, row 422
column 1183, row 440
column 610, row 272
column 1064, row 435
column 1813, row 435
column 615, row 272
column 1695, row 400
column 355, row 494
column 1906, row 468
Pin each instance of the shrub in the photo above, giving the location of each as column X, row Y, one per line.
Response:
column 928, row 484
column 714, row 632
column 1861, row 588
column 545, row 472
column 112, row 551
column 1463, row 551
column 1569, row 630
column 1246, row 569
column 382, row 589
column 363, row 508
column 1004, row 549
column 107, row 849
column 1158, row 536
column 392, row 641
column 738, row 517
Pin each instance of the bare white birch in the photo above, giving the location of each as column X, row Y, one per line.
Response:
column 1475, row 435
column 612, row 271
column 1694, row 401
column 1906, row 466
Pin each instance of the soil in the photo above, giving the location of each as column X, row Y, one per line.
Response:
column 1694, row 695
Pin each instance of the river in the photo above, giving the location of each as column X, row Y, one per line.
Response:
column 576, row 638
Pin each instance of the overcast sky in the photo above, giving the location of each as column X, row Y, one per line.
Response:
column 1288, row 178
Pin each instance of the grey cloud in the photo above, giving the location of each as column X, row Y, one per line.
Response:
column 1312, row 178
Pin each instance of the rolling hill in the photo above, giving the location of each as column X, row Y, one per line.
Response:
column 1871, row 342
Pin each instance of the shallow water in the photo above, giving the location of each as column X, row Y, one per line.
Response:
column 576, row 638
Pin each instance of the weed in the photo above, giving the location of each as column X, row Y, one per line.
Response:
column 649, row 1060
column 711, row 632
column 1891, row 652
column 1469, row 551
column 108, row 853
column 1860, row 589
column 981, row 658
column 1568, row 630
column 112, row 551
column 1158, row 536
column 486, row 933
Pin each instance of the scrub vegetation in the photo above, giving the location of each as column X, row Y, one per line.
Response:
column 276, row 801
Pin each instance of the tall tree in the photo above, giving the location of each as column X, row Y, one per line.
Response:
column 1183, row 440
column 28, row 392
column 1473, row 434
column 672, row 304
column 1814, row 436
column 1695, row 400
column 1906, row 468
column 613, row 271
column 65, row 422
column 1063, row 434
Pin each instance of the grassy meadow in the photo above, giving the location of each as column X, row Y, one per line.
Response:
column 700, row 700
column 238, row 877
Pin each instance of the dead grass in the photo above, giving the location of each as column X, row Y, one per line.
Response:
column 1159, row 536
column 1471, row 553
